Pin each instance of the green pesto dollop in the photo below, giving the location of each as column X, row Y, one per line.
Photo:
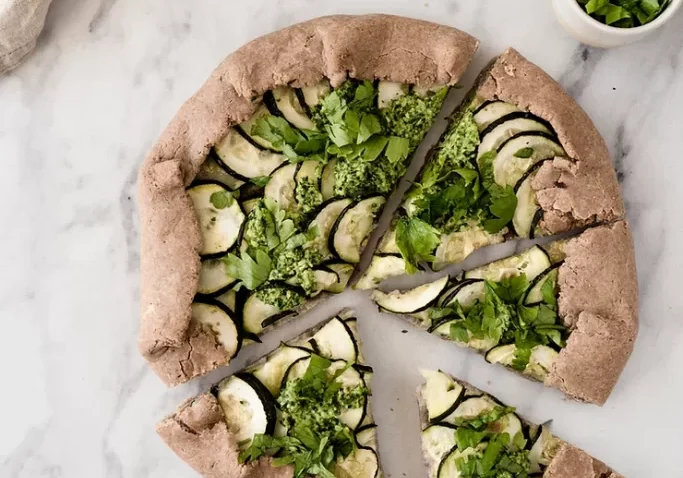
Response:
column 259, row 222
column 303, row 405
column 296, row 265
column 283, row 298
column 358, row 178
column 308, row 196
column 411, row 116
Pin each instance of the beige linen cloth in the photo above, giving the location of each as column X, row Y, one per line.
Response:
column 21, row 21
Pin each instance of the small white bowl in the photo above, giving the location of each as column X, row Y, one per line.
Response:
column 588, row 30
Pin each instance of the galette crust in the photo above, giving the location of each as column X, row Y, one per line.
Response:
column 575, row 193
column 336, row 47
column 598, row 300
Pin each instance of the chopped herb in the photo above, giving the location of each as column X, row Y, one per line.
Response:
column 624, row 13
column 260, row 181
column 524, row 153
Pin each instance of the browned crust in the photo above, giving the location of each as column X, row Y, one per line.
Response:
column 365, row 47
column 599, row 301
column 569, row 461
column 574, row 193
column 198, row 433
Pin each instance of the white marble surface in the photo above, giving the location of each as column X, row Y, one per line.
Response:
column 75, row 121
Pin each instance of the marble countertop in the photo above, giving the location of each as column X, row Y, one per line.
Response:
column 75, row 122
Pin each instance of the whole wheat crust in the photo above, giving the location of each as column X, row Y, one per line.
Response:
column 572, row 193
column 598, row 300
column 568, row 462
column 337, row 47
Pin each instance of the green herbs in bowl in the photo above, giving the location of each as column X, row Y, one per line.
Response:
column 624, row 13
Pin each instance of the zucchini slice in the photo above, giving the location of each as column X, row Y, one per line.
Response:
column 325, row 279
column 352, row 228
column 527, row 207
column 441, row 394
column 287, row 102
column 543, row 450
column 245, row 130
column 540, row 362
column 336, row 341
column 273, row 371
column 491, row 111
column 361, row 463
column 344, row 272
column 473, row 407
column 255, row 313
column 250, row 204
column 388, row 91
column 502, row 354
column 248, row 406
column 314, row 94
column 437, row 440
column 535, row 293
column 508, row 168
column 282, row 185
column 243, row 160
column 366, row 436
column 381, row 268
column 510, row 424
column 220, row 320
column 211, row 170
column 531, row 262
column 214, row 278
column 467, row 293
column 220, row 228
column 448, row 467
column 508, row 126
column 310, row 170
column 327, row 181
column 324, row 222
column 412, row 300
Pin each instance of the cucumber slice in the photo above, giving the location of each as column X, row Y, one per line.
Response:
column 210, row 170
column 214, row 278
column 327, row 181
column 388, row 91
column 535, row 293
column 314, row 94
column 281, row 187
column 324, row 222
column 437, row 441
column 344, row 272
column 506, row 127
column 441, row 395
column 220, row 228
column 381, row 268
column 287, row 102
column 468, row 292
column 243, row 160
column 352, row 228
column 248, row 406
column 221, row 322
column 335, row 340
column 412, row 300
column 491, row 111
column 361, row 463
column 527, row 207
column 366, row 436
column 272, row 372
column 246, row 127
column 508, row 168
column 531, row 262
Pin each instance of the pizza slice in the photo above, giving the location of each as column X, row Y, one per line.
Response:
column 467, row 432
column 303, row 410
column 519, row 159
column 565, row 314
column 264, row 189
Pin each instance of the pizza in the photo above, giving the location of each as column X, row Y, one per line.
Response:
column 467, row 432
column 564, row 314
column 519, row 159
column 263, row 190
column 301, row 408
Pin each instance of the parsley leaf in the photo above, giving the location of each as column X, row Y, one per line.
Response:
column 524, row 153
column 221, row 199
column 292, row 142
column 252, row 272
column 260, row 181
column 503, row 205
column 416, row 240
column 511, row 289
column 466, row 437
column 397, row 149
column 548, row 292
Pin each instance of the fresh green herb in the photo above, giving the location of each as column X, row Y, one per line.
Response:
column 624, row 13
column 397, row 149
column 296, row 144
column 467, row 438
column 524, row 153
column 251, row 271
column 221, row 199
column 503, row 200
column 416, row 240
column 260, row 181
column 484, row 419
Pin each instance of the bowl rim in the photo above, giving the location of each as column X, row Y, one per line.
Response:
column 668, row 12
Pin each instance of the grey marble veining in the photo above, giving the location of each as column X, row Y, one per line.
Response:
column 75, row 122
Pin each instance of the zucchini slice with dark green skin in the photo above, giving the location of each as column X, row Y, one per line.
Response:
column 272, row 372
column 534, row 293
column 216, row 315
column 352, row 228
column 507, row 126
column 336, row 341
column 327, row 181
column 242, row 160
column 412, row 300
column 325, row 221
column 214, row 278
column 288, row 105
column 248, row 406
column 490, row 111
column 442, row 395
column 508, row 168
column 282, row 185
column 465, row 292
column 220, row 228
column 382, row 266
column 256, row 314
column 212, row 170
